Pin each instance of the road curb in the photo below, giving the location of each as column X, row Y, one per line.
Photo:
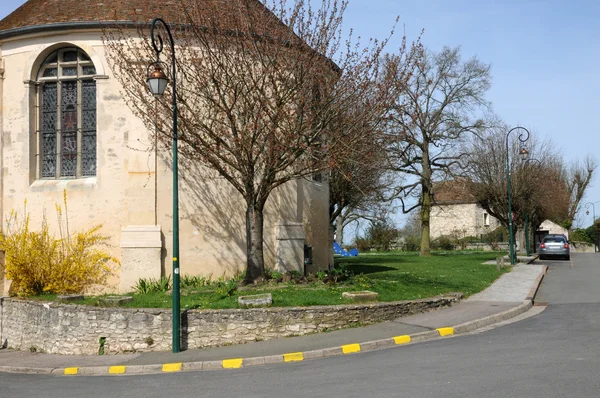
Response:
column 236, row 363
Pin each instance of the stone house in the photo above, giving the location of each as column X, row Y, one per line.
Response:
column 456, row 212
column 66, row 127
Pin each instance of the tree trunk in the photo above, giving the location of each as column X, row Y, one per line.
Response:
column 339, row 229
column 425, row 214
column 427, row 199
column 255, row 270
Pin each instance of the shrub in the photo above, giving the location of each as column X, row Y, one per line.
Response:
column 161, row 285
column 443, row 243
column 37, row 262
column 362, row 244
column 581, row 235
column 412, row 244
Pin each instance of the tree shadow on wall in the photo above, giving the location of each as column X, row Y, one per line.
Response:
column 217, row 212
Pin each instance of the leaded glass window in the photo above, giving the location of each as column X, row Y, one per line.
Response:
column 67, row 115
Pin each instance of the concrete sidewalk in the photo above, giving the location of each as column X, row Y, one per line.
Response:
column 511, row 295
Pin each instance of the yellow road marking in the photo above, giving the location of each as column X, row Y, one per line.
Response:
column 71, row 371
column 293, row 356
column 232, row 363
column 172, row 367
column 445, row 331
column 350, row 348
column 116, row 370
column 402, row 339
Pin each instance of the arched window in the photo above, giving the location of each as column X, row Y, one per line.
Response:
column 67, row 115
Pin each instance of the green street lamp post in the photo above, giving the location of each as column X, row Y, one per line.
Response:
column 527, row 240
column 523, row 137
column 587, row 206
column 157, row 83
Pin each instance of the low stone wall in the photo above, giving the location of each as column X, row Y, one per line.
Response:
column 75, row 329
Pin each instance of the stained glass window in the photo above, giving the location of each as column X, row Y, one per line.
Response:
column 67, row 131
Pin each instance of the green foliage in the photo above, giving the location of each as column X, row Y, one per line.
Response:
column 381, row 234
column 226, row 288
column 194, row 281
column 38, row 262
column 151, row 285
column 271, row 274
column 443, row 243
column 580, row 235
column 411, row 243
column 362, row 244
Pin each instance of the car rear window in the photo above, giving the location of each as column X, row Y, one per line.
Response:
column 560, row 240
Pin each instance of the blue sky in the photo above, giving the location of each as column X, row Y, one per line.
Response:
column 545, row 57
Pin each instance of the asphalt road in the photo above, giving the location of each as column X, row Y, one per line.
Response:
column 555, row 353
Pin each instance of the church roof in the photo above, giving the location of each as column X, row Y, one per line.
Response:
column 50, row 12
column 48, row 15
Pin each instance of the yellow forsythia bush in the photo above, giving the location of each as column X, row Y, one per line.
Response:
column 37, row 262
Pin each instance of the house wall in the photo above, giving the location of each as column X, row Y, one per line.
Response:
column 465, row 219
column 553, row 228
column 131, row 195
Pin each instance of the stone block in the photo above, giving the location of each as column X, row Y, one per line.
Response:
column 363, row 295
column 69, row 297
column 115, row 300
column 257, row 300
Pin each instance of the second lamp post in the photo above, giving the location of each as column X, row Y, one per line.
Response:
column 523, row 137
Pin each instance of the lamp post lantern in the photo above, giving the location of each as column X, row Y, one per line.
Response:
column 523, row 137
column 157, row 83
column 587, row 206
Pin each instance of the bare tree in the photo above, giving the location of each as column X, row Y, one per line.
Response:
column 539, row 190
column 436, row 107
column 260, row 93
column 358, row 183
column 578, row 176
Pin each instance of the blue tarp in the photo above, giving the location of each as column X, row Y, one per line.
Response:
column 337, row 249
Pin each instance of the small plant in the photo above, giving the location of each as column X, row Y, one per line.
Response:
column 37, row 262
column 143, row 286
column 194, row 281
column 226, row 288
column 101, row 342
column 362, row 281
column 149, row 340
column 151, row 285
column 33, row 349
column 271, row 274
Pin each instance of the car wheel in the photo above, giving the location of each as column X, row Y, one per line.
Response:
column 541, row 257
column 568, row 258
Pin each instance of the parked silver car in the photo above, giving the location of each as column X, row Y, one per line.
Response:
column 555, row 245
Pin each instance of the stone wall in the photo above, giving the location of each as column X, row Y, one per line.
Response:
column 75, row 329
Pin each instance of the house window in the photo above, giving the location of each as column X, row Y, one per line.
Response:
column 67, row 115
column 486, row 220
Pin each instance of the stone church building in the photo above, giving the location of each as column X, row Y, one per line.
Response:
column 66, row 127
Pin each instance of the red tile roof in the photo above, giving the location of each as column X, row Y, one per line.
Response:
column 40, row 14
column 44, row 12
column 453, row 192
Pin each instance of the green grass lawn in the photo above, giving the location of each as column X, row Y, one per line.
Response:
column 395, row 276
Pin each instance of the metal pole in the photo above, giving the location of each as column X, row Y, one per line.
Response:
column 510, row 216
column 158, row 47
column 527, row 234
